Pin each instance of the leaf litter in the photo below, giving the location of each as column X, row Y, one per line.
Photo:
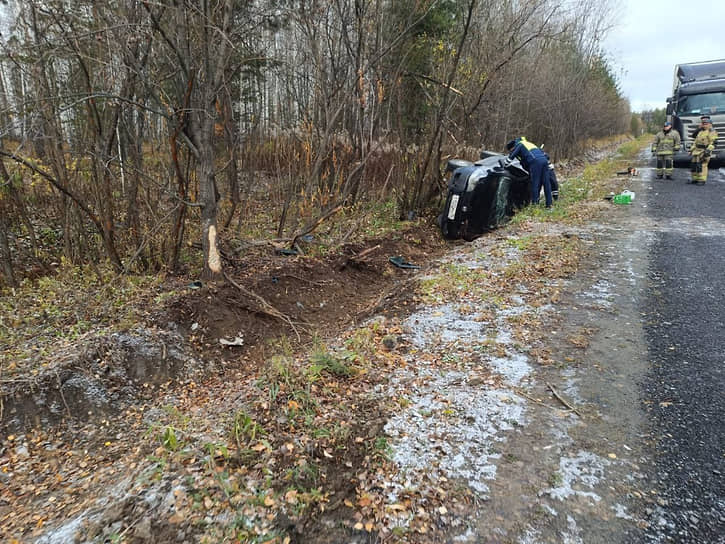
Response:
column 395, row 433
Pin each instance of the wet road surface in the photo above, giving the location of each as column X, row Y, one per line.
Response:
column 684, row 324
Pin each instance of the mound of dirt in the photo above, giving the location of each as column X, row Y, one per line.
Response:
column 301, row 297
column 204, row 327
column 98, row 377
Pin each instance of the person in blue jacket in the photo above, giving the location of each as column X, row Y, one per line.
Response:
column 534, row 160
column 552, row 179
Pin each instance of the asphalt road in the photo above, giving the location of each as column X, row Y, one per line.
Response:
column 683, row 312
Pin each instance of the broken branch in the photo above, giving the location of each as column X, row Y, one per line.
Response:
column 316, row 223
column 266, row 307
column 563, row 401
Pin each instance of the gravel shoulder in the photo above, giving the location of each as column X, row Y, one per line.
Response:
column 581, row 475
column 636, row 340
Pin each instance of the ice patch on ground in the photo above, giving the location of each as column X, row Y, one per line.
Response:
column 584, row 470
column 65, row 533
column 550, row 510
column 531, row 536
column 575, row 537
column 443, row 324
column 449, row 429
column 570, row 386
column 468, row 536
column 72, row 530
column 600, row 292
column 514, row 369
column 505, row 254
column 621, row 512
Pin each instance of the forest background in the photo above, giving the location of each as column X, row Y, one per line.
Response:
column 141, row 136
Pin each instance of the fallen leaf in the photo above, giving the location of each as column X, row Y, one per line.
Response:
column 291, row 496
column 178, row 517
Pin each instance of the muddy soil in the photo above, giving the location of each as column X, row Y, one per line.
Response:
column 207, row 328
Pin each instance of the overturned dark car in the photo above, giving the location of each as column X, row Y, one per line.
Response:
column 482, row 195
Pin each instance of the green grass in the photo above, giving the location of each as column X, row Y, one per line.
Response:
column 323, row 361
column 64, row 307
column 454, row 281
column 521, row 243
column 244, row 429
column 592, row 184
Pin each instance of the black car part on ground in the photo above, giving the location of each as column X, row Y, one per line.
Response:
column 482, row 195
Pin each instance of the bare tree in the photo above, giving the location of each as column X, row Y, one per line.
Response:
column 133, row 112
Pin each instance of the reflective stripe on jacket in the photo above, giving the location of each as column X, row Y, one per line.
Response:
column 527, row 153
column 705, row 139
column 666, row 143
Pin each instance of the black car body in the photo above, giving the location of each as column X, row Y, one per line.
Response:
column 483, row 195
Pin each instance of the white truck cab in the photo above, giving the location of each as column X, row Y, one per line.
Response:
column 698, row 89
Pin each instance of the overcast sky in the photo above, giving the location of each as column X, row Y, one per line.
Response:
column 651, row 36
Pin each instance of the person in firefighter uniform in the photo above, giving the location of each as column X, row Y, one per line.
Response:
column 667, row 141
column 701, row 151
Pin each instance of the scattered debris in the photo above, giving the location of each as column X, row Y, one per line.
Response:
column 631, row 171
column 360, row 257
column 236, row 341
column 400, row 262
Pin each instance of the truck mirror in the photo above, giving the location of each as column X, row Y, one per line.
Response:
column 670, row 108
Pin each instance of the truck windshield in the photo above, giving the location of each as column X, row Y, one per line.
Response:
column 699, row 104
